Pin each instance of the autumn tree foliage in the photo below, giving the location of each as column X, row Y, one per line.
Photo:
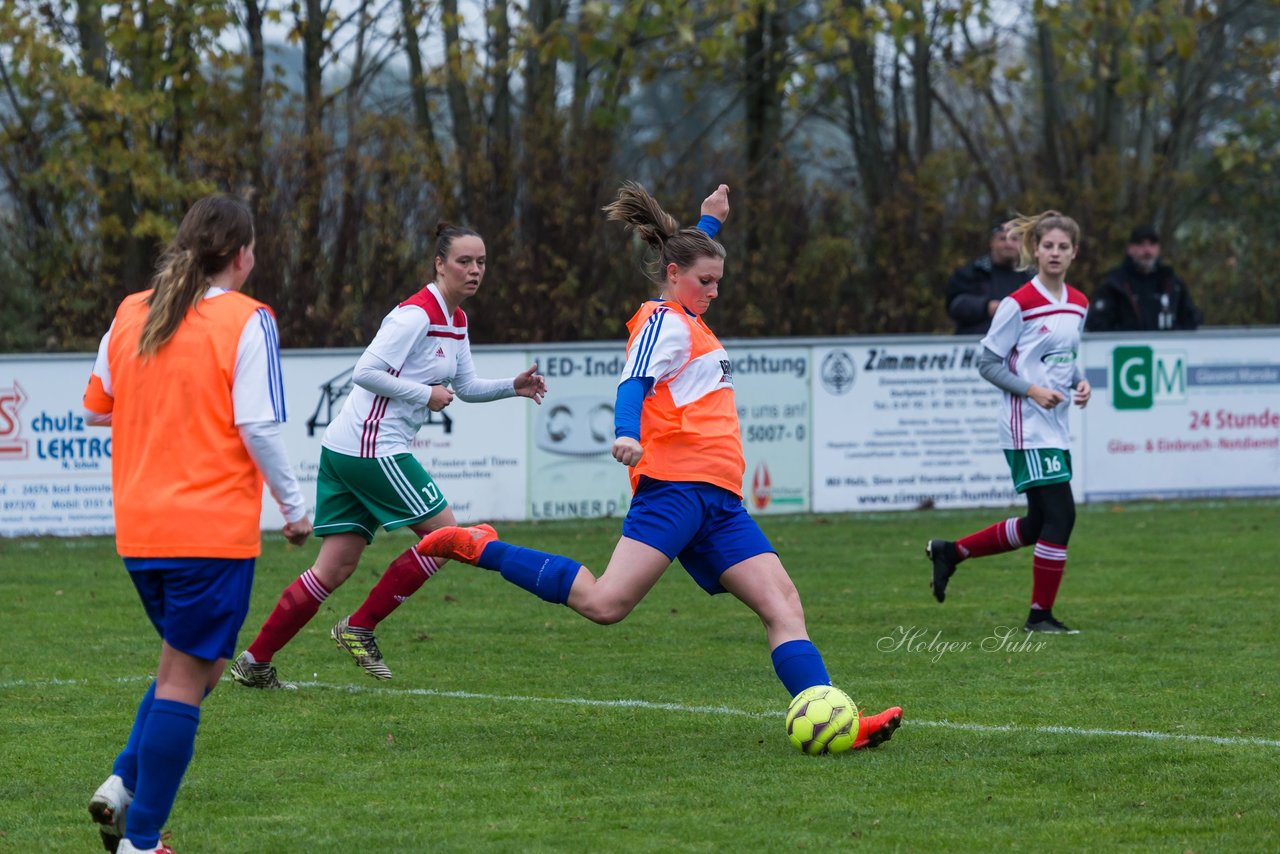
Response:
column 868, row 145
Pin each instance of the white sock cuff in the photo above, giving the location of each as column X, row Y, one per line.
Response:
column 426, row 563
column 313, row 586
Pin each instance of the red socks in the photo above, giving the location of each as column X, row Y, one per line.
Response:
column 298, row 604
column 301, row 600
column 1047, row 565
column 1046, row 568
column 401, row 580
column 1000, row 537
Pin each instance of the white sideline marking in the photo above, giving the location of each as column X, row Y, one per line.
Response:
column 1239, row 741
column 1117, row 733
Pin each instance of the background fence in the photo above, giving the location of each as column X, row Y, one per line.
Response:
column 828, row 425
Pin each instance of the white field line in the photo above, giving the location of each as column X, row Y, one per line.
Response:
column 1238, row 741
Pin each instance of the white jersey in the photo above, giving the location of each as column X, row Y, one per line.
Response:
column 424, row 345
column 1039, row 339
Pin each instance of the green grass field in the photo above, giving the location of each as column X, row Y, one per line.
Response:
column 514, row 725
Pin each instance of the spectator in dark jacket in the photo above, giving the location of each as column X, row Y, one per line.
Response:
column 974, row 290
column 1142, row 295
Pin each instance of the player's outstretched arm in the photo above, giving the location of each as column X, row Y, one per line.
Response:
column 717, row 204
column 531, row 384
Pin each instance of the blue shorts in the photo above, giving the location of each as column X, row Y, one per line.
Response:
column 197, row 604
column 704, row 526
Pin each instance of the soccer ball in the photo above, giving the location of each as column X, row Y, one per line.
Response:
column 822, row 719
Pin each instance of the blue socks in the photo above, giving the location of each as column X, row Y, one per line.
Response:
column 546, row 576
column 164, row 749
column 799, row 665
column 126, row 764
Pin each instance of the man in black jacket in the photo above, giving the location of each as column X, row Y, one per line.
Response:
column 1142, row 295
column 974, row 290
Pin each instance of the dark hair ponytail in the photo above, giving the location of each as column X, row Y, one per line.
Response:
column 446, row 233
column 211, row 233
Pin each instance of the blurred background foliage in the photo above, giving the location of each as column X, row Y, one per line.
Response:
column 869, row 146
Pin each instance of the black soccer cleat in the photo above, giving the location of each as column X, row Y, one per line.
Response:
column 1043, row 621
column 943, row 555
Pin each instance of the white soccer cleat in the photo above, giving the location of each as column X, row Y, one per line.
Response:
column 107, row 807
column 127, row 847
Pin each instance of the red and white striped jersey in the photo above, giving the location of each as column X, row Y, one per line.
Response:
column 1039, row 339
column 425, row 345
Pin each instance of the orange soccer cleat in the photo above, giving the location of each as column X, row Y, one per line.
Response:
column 874, row 730
column 455, row 543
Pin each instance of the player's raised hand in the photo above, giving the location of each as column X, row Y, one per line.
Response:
column 297, row 532
column 627, row 450
column 441, row 396
column 717, row 204
column 1048, row 398
column 531, row 384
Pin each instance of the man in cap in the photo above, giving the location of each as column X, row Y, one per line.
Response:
column 1142, row 295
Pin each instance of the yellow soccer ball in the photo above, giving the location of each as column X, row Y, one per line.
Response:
column 822, row 719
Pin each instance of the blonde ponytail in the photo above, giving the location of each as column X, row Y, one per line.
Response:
column 176, row 288
column 671, row 243
column 641, row 211
column 1028, row 230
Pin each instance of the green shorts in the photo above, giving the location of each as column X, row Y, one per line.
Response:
column 1038, row 467
column 357, row 494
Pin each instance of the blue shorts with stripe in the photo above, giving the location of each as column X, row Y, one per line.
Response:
column 197, row 604
column 705, row 527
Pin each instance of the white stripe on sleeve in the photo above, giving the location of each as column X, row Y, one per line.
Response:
column 257, row 389
column 662, row 348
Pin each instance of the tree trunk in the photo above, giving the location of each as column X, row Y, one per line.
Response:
column 311, row 178
column 539, row 117
column 501, row 197
column 123, row 268
column 1051, row 107
column 901, row 132
column 185, row 67
column 347, row 240
column 418, row 95
column 459, row 108
column 541, row 239
column 254, row 86
column 863, row 115
column 921, row 88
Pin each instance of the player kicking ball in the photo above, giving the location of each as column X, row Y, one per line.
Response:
column 676, row 391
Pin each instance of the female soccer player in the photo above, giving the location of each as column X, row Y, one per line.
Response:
column 368, row 478
column 189, row 371
column 677, row 429
column 1030, row 354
